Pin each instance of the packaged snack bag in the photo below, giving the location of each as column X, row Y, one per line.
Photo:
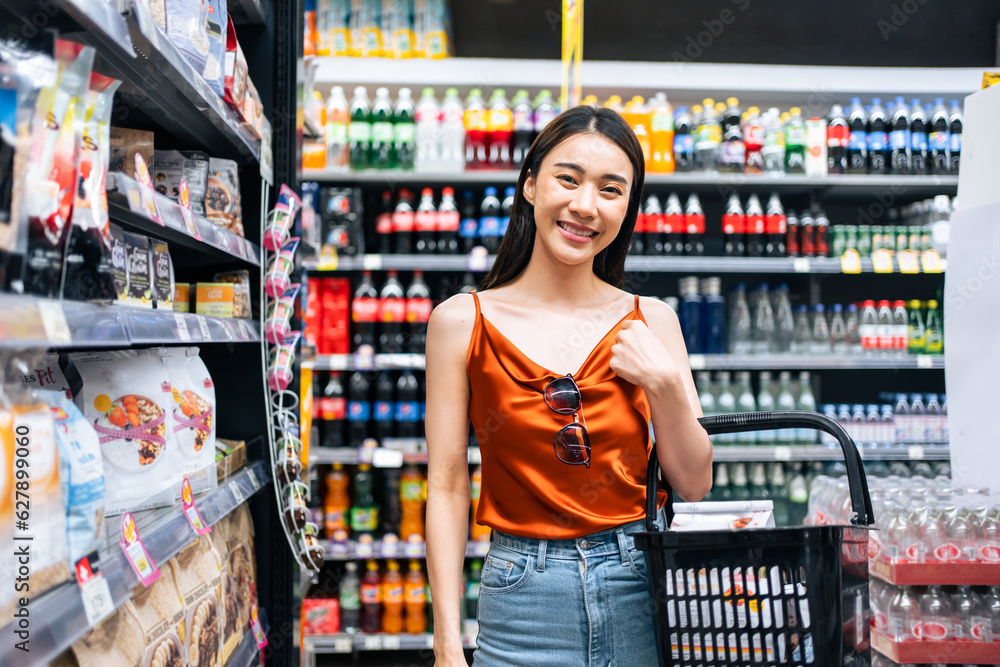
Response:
column 197, row 572
column 124, row 145
column 159, row 613
column 241, row 291
column 192, row 413
column 119, row 263
column 88, row 272
column 126, row 396
column 222, row 195
column 242, row 566
column 172, row 167
column 116, row 642
column 163, row 275
column 140, row 279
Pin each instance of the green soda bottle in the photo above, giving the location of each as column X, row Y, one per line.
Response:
column 359, row 132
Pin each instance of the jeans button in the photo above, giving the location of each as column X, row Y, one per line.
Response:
column 584, row 544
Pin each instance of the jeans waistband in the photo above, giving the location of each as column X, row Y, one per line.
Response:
column 601, row 543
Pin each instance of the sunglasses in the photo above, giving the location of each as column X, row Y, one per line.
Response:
column 572, row 442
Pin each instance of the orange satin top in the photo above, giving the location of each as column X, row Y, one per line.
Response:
column 526, row 490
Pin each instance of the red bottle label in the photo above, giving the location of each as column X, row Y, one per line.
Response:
column 418, row 309
column 837, row 135
column 448, row 221
column 365, row 309
column 402, row 221
column 733, row 223
column 425, row 221
column 654, row 223
column 755, row 224
column 393, row 310
column 775, row 224
column 333, row 408
column 383, row 224
column 674, row 222
column 695, row 223
column 371, row 594
column 640, row 222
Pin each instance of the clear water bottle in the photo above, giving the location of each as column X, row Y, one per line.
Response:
column 725, row 404
column 774, row 143
column 965, row 607
column 901, row 538
column 745, row 402
column 829, row 411
column 786, row 401
column 784, row 322
column 820, row 332
column 838, row 331
column 740, row 327
column 428, row 133
column 935, row 615
column 876, row 432
column 852, row 324
column 765, row 403
column 806, row 403
column 802, row 333
column 763, row 324
column 451, row 146
column 706, row 396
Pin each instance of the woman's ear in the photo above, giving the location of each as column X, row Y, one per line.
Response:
column 529, row 188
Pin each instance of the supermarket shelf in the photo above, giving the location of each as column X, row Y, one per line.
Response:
column 162, row 85
column 945, row 574
column 651, row 263
column 354, row 550
column 58, row 617
column 27, row 322
column 347, row 362
column 840, row 184
column 723, row 452
column 216, row 244
column 246, row 653
column 942, row 652
column 814, row 87
column 347, row 643
column 105, row 25
column 352, row 456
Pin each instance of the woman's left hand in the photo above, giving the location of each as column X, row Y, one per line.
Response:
column 639, row 357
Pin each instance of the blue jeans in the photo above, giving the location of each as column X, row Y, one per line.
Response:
column 571, row 603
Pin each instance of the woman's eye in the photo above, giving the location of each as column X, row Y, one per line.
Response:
column 566, row 178
column 613, row 190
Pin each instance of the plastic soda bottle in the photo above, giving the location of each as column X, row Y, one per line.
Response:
column 404, row 131
column 637, row 117
column 523, row 127
column 707, row 138
column 382, row 154
column 371, row 598
column 683, row 141
column 451, row 144
column 878, row 139
column 412, row 495
column 918, row 138
column 753, row 140
column 338, row 118
column 350, row 599
column 336, row 504
column 392, row 599
column 795, row 142
column 427, row 132
column 415, row 594
column 857, row 142
column 661, row 135
column 899, row 138
column 545, row 111
column 774, row 143
column 733, row 151
column 837, row 134
column 934, row 335
column 475, row 118
column 939, row 138
column 499, row 126
column 955, row 138
column 359, row 132
column 364, row 513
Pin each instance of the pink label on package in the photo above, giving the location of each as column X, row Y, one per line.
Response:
column 135, row 552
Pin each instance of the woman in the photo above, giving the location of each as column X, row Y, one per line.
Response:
column 561, row 411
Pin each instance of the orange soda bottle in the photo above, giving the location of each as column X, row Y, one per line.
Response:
column 477, row 533
column 661, row 135
column 336, row 504
column 415, row 592
column 392, row 599
column 615, row 104
column 638, row 119
column 413, row 498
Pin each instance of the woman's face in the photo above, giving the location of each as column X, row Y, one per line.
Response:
column 580, row 195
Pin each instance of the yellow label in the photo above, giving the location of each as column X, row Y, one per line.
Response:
column 851, row 262
column 371, row 42
column 102, row 403
column 931, row 261
column 340, row 42
column 990, row 78
column 437, row 44
column 327, row 258
column 908, row 262
column 882, row 261
column 402, row 44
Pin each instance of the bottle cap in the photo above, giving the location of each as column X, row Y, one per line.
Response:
column 732, row 101
column 884, row 303
column 914, row 304
column 899, row 303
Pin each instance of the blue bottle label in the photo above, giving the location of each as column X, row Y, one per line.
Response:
column 469, row 228
column 383, row 411
column 359, row 411
column 683, row 144
column 918, row 141
column 877, row 141
column 489, row 226
column 407, row 411
column 423, row 411
column 898, row 139
column 939, row 140
column 858, row 140
column 504, row 224
column 956, row 143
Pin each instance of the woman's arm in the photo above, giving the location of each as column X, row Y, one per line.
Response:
column 655, row 358
column 447, row 425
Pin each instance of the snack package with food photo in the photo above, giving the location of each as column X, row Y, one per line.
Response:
column 172, row 167
column 51, row 180
column 241, row 562
column 116, row 642
column 160, row 614
column 140, row 278
column 119, row 263
column 197, row 572
column 88, row 273
column 126, row 396
column 125, row 144
column 198, row 30
column 222, row 195
column 163, row 275
column 232, row 623
column 192, row 416
column 241, row 291
column 236, row 76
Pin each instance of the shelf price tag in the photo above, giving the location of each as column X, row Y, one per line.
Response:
column 391, row 642
column 931, row 261
column 850, row 262
column 782, row 453
column 339, row 549
column 430, row 641
column 390, row 548
column 696, row 361
column 925, row 361
column 373, row 643
column 253, row 478
column 478, row 259
column 371, row 262
column 343, row 645
column 800, row 265
column 206, row 334
column 258, row 631
column 908, row 262
column 266, row 156
column 135, row 552
column 915, row 452
column 882, row 261
column 191, row 510
column 387, row 458
column 237, row 493
column 364, row 358
column 414, row 550
column 182, row 327
column 364, row 550
column 97, row 601
column 53, row 318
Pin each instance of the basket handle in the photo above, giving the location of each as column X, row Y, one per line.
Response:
column 740, row 422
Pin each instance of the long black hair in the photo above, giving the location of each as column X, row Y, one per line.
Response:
column 515, row 249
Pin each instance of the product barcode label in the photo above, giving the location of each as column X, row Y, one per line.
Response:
column 800, row 265
column 203, row 325
column 235, row 488
column 253, row 479
column 371, row 262
column 391, row 643
column 373, row 643
column 97, row 601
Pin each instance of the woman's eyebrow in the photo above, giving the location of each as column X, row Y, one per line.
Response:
column 581, row 170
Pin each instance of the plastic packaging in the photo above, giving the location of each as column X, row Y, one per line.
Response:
column 279, row 318
column 281, row 219
column 279, row 369
column 277, row 279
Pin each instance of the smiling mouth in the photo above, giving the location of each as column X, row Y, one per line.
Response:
column 576, row 231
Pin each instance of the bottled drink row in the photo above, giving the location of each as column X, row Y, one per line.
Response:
column 935, row 613
column 390, row 406
column 910, row 419
column 926, row 225
column 452, row 136
column 374, row 28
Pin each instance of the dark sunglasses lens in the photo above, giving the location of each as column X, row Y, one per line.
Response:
column 563, row 396
column 572, row 445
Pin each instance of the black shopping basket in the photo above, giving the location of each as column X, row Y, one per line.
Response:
column 762, row 596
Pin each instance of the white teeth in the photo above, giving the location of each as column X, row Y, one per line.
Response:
column 576, row 232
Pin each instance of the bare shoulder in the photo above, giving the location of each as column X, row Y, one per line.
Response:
column 658, row 315
column 452, row 322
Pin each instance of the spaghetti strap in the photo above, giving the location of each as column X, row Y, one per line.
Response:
column 479, row 312
column 637, row 303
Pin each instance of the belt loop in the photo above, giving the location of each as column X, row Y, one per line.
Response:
column 542, row 546
column 623, row 546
